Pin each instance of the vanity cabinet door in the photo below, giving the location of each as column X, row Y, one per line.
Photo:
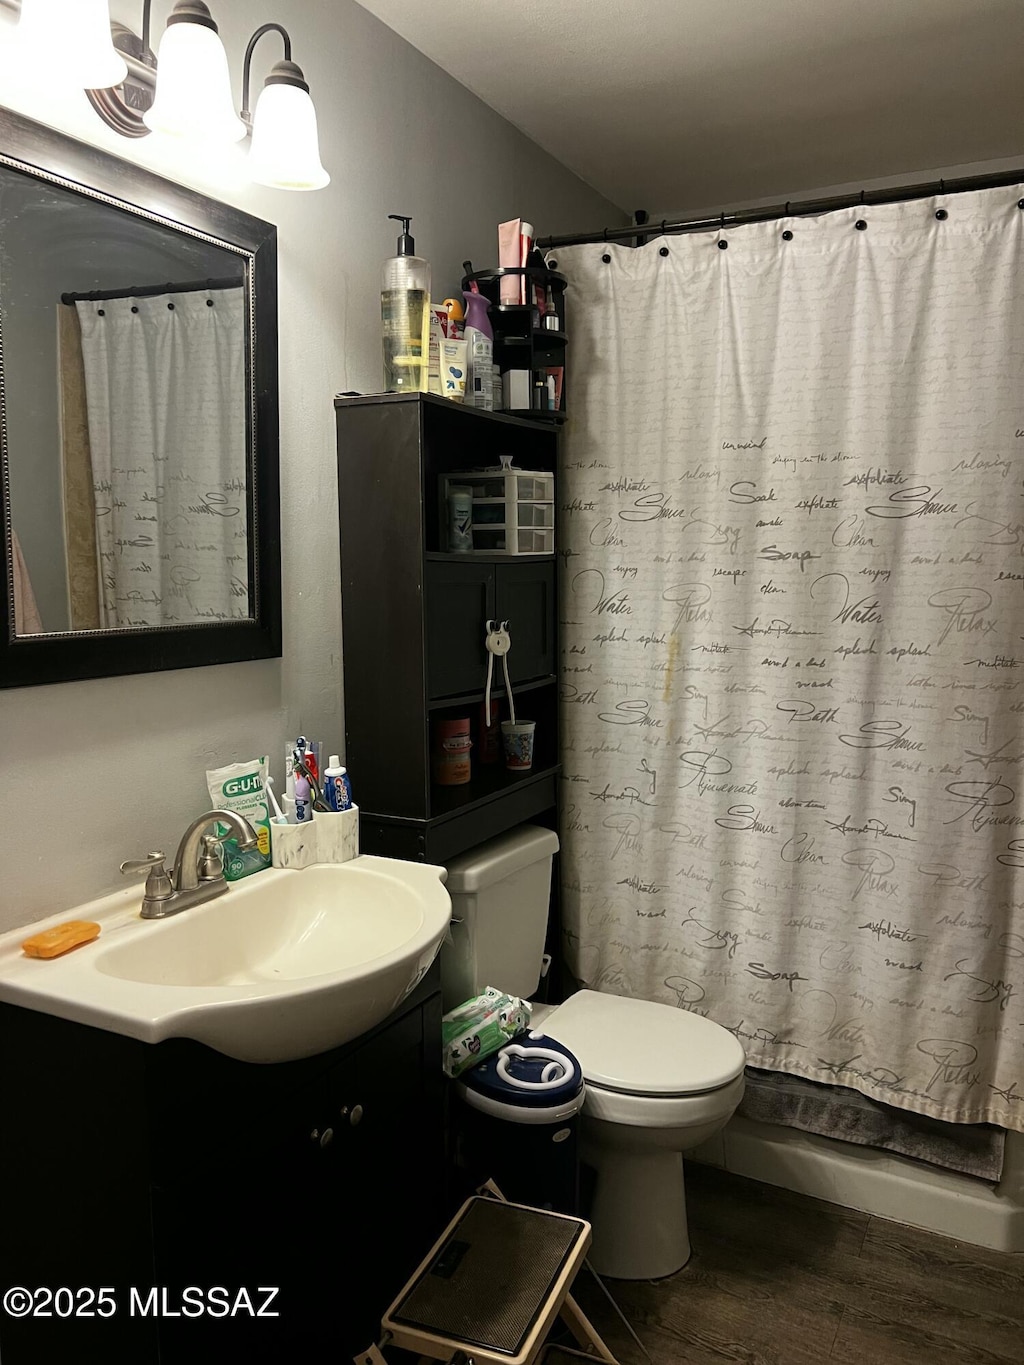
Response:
column 459, row 602
column 330, row 1198
column 525, row 597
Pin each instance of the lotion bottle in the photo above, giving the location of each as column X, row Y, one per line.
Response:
column 405, row 316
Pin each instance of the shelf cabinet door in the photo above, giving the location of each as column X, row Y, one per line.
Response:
column 524, row 595
column 459, row 601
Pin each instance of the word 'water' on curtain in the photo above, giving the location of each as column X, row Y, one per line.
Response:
column 793, row 647
column 165, row 386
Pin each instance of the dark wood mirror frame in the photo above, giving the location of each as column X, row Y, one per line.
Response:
column 32, row 660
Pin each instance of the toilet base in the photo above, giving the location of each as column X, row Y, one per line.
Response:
column 639, row 1205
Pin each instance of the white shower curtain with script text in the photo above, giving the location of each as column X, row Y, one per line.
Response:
column 792, row 531
column 165, row 389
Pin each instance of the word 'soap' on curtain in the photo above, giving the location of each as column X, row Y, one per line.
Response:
column 165, row 384
column 793, row 650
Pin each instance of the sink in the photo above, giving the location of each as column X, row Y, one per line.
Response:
column 286, row 964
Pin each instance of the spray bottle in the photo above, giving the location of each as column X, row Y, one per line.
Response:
column 405, row 316
column 480, row 352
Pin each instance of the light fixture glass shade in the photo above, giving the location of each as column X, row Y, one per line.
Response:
column 70, row 39
column 193, row 87
column 285, row 152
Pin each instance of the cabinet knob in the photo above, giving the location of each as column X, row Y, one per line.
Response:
column 353, row 1114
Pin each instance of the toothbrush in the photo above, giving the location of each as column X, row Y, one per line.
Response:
column 316, row 796
column 302, row 808
column 268, row 787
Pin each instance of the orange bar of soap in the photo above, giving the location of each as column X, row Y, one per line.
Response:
column 53, row 942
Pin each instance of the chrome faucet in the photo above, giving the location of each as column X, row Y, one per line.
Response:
column 198, row 873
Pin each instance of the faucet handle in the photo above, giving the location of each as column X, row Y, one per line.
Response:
column 211, row 861
column 158, row 884
column 134, row 866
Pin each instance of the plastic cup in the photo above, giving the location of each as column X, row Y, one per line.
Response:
column 517, row 741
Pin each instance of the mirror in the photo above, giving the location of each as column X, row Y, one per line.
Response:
column 138, row 390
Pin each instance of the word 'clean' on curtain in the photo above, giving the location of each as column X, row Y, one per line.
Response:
column 792, row 529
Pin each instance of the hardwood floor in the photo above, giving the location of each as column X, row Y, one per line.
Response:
column 781, row 1279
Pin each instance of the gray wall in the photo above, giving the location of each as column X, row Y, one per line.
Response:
column 95, row 772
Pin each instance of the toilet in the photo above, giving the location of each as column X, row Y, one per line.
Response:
column 659, row 1080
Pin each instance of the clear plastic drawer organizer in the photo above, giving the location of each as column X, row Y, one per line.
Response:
column 513, row 509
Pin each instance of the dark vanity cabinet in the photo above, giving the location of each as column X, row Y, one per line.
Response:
column 171, row 1167
column 414, row 618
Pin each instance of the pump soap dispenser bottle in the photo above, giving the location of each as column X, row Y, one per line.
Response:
column 405, row 316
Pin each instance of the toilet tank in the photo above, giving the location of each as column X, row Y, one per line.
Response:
column 500, row 892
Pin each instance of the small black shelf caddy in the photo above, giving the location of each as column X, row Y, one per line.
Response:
column 524, row 337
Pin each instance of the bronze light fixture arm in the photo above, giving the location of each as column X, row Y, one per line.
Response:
column 285, row 72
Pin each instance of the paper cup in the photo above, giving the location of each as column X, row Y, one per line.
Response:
column 517, row 741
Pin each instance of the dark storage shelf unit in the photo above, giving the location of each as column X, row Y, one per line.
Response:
column 475, row 698
column 414, row 619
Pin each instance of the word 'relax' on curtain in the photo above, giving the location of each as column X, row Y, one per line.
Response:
column 793, row 646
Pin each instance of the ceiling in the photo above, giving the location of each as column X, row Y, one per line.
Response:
column 676, row 105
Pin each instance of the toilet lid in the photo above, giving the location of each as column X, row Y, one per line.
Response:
column 645, row 1048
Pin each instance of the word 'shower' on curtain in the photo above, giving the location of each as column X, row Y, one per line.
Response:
column 793, row 651
column 165, row 386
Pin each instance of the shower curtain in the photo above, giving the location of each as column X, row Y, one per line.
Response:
column 792, row 531
column 165, row 387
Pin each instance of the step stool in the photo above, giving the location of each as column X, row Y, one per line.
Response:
column 491, row 1288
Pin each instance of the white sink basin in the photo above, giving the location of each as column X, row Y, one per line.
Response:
column 284, row 965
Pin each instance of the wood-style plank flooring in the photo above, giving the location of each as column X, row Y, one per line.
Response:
column 781, row 1279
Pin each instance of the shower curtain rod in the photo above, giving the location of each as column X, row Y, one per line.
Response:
column 800, row 208
column 146, row 291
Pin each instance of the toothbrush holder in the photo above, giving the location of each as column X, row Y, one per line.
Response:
column 330, row 837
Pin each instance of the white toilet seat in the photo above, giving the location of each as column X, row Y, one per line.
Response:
column 639, row 1056
column 662, row 1111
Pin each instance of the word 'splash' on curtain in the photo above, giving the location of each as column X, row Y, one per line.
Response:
column 793, row 642
column 165, row 385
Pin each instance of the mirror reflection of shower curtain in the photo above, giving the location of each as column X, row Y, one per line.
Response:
column 165, row 383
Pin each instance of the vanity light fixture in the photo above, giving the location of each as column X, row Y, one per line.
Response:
column 186, row 90
column 193, row 88
column 71, row 39
column 285, row 151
